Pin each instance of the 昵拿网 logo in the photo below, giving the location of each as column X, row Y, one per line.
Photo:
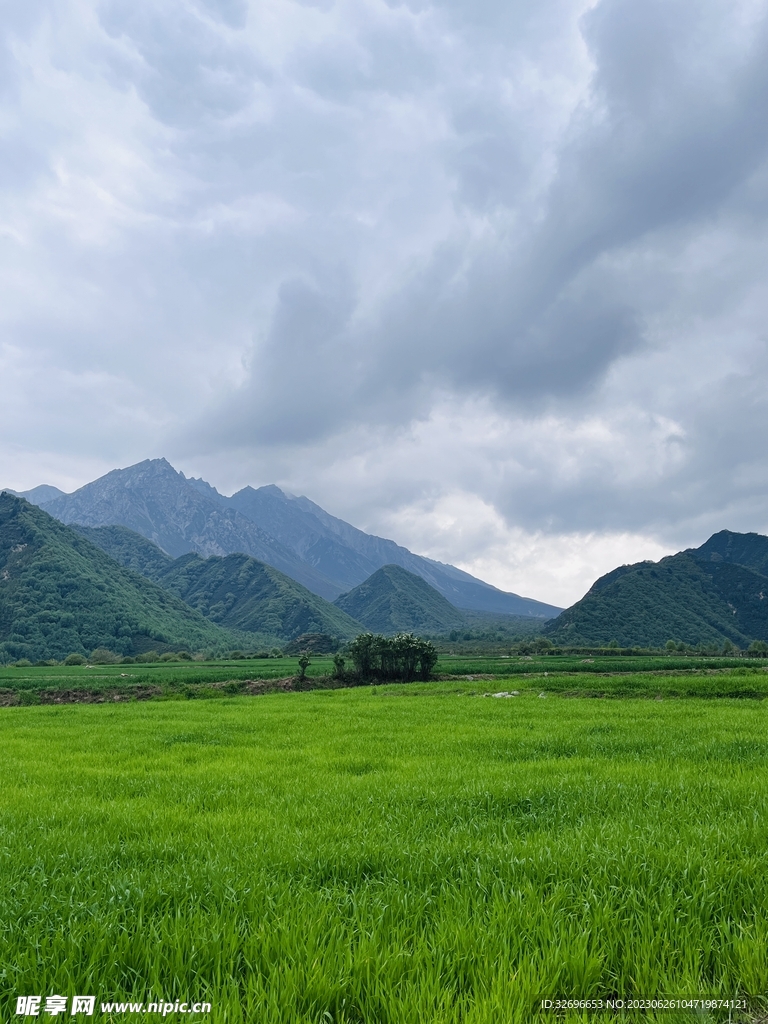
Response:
column 34, row 1006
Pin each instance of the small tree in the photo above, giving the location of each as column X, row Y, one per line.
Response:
column 427, row 658
column 338, row 666
column 362, row 650
column 103, row 656
column 303, row 666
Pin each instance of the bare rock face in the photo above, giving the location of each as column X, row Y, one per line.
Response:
column 161, row 504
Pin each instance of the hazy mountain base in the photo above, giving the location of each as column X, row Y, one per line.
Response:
column 349, row 556
column 235, row 591
column 392, row 600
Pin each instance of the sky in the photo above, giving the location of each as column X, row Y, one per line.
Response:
column 488, row 277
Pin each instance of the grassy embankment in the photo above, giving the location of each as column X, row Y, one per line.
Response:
column 352, row 856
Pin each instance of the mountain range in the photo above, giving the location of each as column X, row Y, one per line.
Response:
column 71, row 589
column 68, row 589
column 711, row 594
column 293, row 534
column 234, row 591
column 267, row 566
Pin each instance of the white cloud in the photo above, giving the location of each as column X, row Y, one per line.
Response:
column 558, row 569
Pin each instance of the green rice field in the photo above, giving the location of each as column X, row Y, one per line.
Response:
column 623, row 676
column 392, row 855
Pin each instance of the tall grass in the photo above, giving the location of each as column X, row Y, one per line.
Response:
column 345, row 856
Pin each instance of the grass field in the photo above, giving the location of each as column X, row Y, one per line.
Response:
column 386, row 854
column 674, row 676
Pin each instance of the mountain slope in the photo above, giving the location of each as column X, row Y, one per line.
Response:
column 687, row 596
column 394, row 600
column 348, row 556
column 300, row 530
column 60, row 594
column 239, row 592
column 152, row 499
column 748, row 549
column 128, row 548
column 236, row 591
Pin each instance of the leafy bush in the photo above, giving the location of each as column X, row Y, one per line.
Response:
column 102, row 656
column 74, row 659
column 168, row 656
column 147, row 656
column 23, row 663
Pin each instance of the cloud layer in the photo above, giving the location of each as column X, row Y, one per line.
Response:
column 487, row 277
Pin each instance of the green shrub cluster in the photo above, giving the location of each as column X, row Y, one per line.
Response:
column 403, row 657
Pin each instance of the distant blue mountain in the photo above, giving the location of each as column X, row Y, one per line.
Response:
column 39, row 495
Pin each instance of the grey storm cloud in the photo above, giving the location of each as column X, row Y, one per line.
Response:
column 315, row 242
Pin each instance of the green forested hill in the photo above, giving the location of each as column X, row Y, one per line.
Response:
column 60, row 594
column 393, row 600
column 236, row 591
column 703, row 595
column 243, row 593
column 129, row 549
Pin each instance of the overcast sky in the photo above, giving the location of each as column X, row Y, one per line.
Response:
column 489, row 277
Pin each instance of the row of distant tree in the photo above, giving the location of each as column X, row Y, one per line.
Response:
column 406, row 657
column 541, row 645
